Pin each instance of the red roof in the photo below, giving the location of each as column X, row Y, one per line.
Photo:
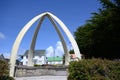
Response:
column 73, row 56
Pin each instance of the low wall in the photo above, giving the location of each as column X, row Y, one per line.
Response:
column 25, row 71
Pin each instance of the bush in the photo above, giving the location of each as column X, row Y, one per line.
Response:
column 94, row 69
column 4, row 71
column 6, row 78
column 36, row 65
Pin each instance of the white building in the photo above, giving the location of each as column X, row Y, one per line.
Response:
column 54, row 60
column 39, row 57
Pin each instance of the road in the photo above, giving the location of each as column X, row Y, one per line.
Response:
column 42, row 78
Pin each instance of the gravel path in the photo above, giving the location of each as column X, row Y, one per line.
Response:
column 42, row 78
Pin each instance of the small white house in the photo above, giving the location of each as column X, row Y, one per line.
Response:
column 39, row 57
column 24, row 60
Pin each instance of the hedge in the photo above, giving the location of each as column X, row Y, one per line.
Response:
column 4, row 71
column 94, row 69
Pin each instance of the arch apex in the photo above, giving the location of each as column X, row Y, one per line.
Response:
column 47, row 12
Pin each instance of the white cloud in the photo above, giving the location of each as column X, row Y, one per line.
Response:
column 7, row 55
column 49, row 51
column 59, row 49
column 2, row 36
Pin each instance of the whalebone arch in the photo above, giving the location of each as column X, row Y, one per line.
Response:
column 20, row 36
column 30, row 55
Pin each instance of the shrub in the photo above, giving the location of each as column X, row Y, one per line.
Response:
column 36, row 65
column 4, row 71
column 3, row 68
column 94, row 69
column 6, row 78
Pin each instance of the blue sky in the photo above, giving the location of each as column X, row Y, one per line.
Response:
column 14, row 14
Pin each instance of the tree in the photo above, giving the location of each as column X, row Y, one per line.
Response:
column 100, row 36
column 83, row 36
column 71, row 51
column 4, row 70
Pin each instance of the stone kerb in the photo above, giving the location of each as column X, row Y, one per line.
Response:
column 25, row 71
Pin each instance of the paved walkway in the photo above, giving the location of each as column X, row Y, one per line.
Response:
column 42, row 78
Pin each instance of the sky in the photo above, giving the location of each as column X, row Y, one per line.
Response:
column 14, row 14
